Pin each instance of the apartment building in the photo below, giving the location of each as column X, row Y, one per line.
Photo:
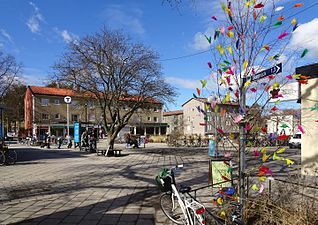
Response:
column 197, row 122
column 46, row 111
column 174, row 119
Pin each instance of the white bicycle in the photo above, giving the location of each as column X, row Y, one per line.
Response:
column 176, row 204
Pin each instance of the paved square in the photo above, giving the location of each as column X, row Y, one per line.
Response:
column 49, row 186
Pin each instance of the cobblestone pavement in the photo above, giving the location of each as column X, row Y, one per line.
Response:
column 71, row 187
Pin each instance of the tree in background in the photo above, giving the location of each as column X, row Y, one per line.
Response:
column 14, row 106
column 9, row 72
column 117, row 73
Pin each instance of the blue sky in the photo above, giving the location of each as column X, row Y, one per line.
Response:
column 37, row 32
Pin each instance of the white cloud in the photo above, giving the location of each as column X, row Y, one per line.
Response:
column 6, row 35
column 184, row 83
column 66, row 35
column 124, row 17
column 306, row 36
column 34, row 21
column 199, row 40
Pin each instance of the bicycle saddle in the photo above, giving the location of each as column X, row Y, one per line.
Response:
column 184, row 189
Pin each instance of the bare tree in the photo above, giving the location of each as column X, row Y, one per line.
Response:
column 117, row 73
column 9, row 71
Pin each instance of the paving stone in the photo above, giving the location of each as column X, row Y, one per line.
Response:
column 72, row 219
column 145, row 222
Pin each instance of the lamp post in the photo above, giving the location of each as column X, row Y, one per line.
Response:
column 68, row 100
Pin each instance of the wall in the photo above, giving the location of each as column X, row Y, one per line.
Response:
column 192, row 117
column 175, row 123
column 309, row 150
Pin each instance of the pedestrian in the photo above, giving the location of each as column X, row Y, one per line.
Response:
column 48, row 140
column 59, row 142
column 69, row 141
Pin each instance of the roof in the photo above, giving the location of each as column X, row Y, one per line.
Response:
column 176, row 112
column 205, row 100
column 69, row 92
column 53, row 91
column 308, row 70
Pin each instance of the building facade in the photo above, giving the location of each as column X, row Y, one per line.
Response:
column 193, row 119
column 46, row 111
column 197, row 122
column 174, row 119
column 309, row 117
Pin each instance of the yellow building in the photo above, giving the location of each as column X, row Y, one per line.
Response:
column 309, row 118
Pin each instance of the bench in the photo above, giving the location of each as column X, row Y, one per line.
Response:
column 115, row 152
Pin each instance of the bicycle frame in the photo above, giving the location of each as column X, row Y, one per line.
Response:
column 186, row 205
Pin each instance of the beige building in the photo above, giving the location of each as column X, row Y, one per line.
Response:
column 193, row 120
column 309, row 117
column 174, row 119
column 46, row 111
column 196, row 122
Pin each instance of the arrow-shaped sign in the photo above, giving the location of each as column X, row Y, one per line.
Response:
column 278, row 68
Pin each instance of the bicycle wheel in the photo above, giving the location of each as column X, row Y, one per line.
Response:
column 11, row 157
column 2, row 158
column 172, row 209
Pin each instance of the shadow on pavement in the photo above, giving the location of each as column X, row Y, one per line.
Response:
column 112, row 211
column 34, row 154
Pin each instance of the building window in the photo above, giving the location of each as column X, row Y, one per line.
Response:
column 45, row 116
column 56, row 101
column 90, row 104
column 57, row 116
column 188, row 118
column 91, row 117
column 44, row 102
column 155, row 119
column 149, row 118
column 75, row 117
column 155, row 109
column 75, row 104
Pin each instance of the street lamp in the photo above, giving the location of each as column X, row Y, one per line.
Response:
column 68, row 100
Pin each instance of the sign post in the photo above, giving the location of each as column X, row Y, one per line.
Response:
column 271, row 71
column 68, row 100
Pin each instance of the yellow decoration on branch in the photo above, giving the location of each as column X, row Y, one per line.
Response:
column 279, row 151
column 254, row 187
column 265, row 157
column 220, row 49
column 229, row 49
column 245, row 64
column 247, row 83
column 289, row 162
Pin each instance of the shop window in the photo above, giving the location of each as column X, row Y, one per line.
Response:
column 75, row 117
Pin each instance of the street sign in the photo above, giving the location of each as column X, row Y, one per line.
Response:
column 67, row 99
column 278, row 68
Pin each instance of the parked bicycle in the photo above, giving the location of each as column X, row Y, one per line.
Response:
column 7, row 156
column 181, row 207
column 177, row 204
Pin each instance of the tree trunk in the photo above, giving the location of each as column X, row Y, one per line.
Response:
column 112, row 134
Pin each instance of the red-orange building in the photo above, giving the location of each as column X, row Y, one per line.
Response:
column 45, row 111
